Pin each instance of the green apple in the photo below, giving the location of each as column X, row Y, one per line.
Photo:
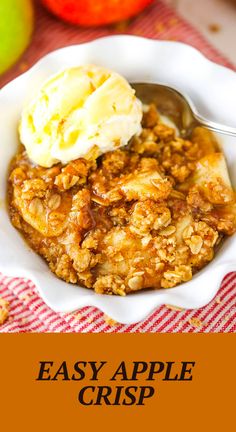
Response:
column 16, row 25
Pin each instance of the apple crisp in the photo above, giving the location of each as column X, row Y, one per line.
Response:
column 148, row 215
column 4, row 310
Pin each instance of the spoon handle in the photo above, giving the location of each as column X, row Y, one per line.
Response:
column 216, row 127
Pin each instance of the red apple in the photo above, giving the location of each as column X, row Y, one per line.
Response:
column 95, row 12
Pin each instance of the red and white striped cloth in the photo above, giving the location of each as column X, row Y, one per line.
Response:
column 28, row 313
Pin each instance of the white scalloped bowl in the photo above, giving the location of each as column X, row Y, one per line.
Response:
column 212, row 89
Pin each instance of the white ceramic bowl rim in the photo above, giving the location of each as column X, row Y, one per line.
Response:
column 213, row 91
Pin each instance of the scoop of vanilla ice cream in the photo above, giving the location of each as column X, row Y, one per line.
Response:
column 81, row 112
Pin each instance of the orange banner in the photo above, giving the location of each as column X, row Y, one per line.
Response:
column 117, row 382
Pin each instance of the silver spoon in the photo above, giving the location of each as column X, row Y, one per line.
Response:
column 178, row 107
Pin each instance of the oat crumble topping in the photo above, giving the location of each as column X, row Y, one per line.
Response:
column 110, row 321
column 149, row 215
column 4, row 310
column 196, row 322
